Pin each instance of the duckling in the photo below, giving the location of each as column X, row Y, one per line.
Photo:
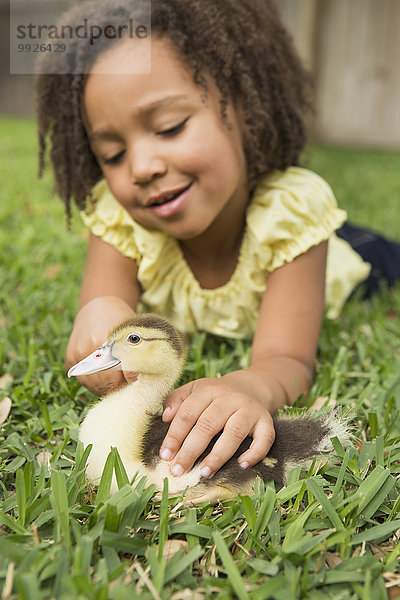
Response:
column 130, row 419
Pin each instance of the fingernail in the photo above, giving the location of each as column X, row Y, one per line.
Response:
column 205, row 471
column 166, row 454
column 177, row 470
column 244, row 465
column 167, row 411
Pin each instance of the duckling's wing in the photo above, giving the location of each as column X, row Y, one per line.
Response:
column 297, row 441
column 152, row 440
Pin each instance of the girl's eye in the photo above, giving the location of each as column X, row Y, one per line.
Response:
column 113, row 160
column 173, row 130
column 133, row 338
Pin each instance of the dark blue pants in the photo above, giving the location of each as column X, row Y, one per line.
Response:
column 381, row 253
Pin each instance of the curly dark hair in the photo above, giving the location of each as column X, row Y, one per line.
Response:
column 241, row 44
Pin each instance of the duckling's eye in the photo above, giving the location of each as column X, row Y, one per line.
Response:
column 133, row 338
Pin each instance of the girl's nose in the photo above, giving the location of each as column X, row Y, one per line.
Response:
column 145, row 163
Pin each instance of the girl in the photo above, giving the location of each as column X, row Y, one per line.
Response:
column 188, row 182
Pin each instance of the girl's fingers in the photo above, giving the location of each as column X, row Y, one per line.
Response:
column 174, row 400
column 198, row 411
column 103, row 383
column 235, row 429
column 130, row 376
column 185, row 418
column 263, row 438
column 209, row 424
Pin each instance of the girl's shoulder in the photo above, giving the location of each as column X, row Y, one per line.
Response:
column 294, row 186
column 296, row 195
column 291, row 211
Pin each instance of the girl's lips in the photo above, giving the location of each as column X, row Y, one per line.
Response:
column 170, row 208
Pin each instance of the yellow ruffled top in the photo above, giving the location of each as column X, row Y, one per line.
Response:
column 290, row 212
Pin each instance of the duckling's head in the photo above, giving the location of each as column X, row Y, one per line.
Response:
column 145, row 344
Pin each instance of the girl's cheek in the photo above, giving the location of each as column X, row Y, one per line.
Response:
column 121, row 189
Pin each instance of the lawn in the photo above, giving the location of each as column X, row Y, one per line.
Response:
column 330, row 533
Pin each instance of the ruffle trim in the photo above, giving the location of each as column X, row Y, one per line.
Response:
column 285, row 252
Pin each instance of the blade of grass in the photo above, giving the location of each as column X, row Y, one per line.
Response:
column 289, row 492
column 249, row 511
column 338, row 447
column 378, row 532
column 339, row 481
column 27, row 586
column 46, row 419
column 276, row 588
column 181, row 562
column 295, row 531
column 379, row 450
column 373, row 424
column 231, row 569
column 119, row 468
column 198, row 530
column 163, row 528
column 29, row 479
column 40, row 485
column 115, row 506
column 159, row 575
column 266, row 508
column 82, row 556
column 59, row 501
column 21, row 497
column 373, row 490
column 11, row 523
column 191, row 520
column 308, row 543
column 113, row 518
column 123, row 543
column 103, row 491
column 274, row 528
column 320, row 496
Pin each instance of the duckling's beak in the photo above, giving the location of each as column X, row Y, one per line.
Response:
column 101, row 359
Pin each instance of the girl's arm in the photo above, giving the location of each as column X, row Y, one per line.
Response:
column 108, row 273
column 281, row 368
column 109, row 294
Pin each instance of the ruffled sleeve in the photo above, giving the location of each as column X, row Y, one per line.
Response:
column 107, row 219
column 291, row 211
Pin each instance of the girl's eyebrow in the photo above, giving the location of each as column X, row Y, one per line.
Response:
column 146, row 109
column 153, row 106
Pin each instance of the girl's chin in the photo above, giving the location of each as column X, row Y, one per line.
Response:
column 179, row 227
column 182, row 235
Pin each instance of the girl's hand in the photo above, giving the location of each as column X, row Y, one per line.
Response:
column 92, row 325
column 201, row 409
column 280, row 370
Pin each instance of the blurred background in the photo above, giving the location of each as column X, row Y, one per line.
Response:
column 351, row 46
column 353, row 49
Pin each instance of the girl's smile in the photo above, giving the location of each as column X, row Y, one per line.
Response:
column 169, row 203
column 168, row 157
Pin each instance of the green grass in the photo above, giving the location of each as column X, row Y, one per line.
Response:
column 331, row 533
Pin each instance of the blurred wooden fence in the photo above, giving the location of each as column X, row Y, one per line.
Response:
column 352, row 47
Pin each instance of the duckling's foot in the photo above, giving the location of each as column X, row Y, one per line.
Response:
column 194, row 497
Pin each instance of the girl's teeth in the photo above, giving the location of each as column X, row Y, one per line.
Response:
column 168, row 199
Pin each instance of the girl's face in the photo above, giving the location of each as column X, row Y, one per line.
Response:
column 166, row 154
